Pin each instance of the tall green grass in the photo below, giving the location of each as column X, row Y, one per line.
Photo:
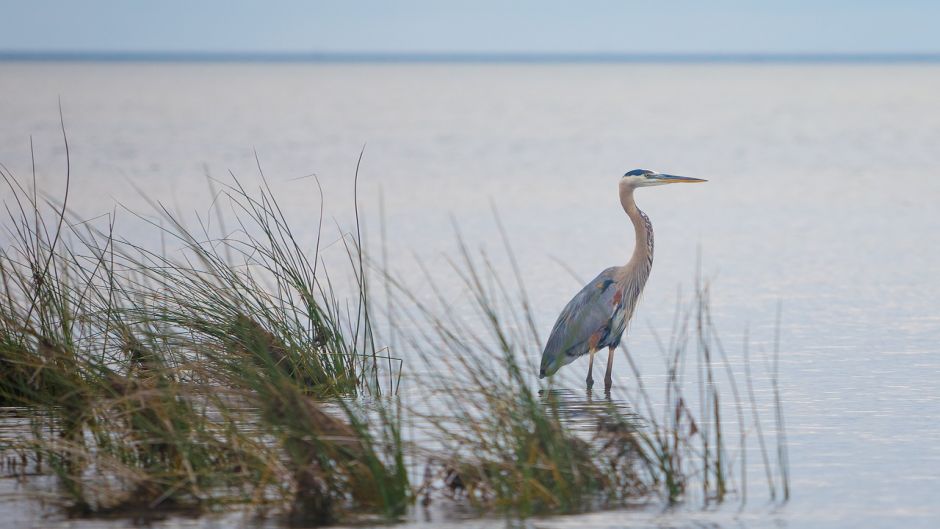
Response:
column 508, row 446
column 194, row 378
column 228, row 371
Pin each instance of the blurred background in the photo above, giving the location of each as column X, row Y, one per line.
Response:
column 816, row 124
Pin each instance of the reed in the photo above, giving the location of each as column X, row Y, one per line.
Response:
column 228, row 371
column 225, row 372
column 506, row 442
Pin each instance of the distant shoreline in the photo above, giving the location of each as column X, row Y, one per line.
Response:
column 518, row 58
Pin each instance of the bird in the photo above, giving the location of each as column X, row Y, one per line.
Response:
column 597, row 316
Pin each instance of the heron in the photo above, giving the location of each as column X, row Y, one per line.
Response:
column 597, row 316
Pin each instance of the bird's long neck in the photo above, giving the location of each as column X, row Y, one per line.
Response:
column 642, row 259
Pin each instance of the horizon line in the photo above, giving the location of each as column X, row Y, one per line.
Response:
column 451, row 57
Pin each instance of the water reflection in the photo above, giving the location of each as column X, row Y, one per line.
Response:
column 587, row 412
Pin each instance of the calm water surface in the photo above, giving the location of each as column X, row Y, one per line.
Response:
column 824, row 194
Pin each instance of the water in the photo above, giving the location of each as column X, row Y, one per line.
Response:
column 823, row 194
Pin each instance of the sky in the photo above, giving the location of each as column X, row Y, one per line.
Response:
column 480, row 26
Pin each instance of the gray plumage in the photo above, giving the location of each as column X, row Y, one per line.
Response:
column 597, row 316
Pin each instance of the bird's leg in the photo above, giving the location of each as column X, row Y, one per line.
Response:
column 608, row 381
column 590, row 379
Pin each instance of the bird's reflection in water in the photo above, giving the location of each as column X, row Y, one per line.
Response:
column 588, row 413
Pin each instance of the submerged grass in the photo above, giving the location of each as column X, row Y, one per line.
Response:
column 230, row 372
column 506, row 442
column 194, row 379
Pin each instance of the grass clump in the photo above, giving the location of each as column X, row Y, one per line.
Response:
column 229, row 372
column 217, row 374
column 505, row 443
column 508, row 445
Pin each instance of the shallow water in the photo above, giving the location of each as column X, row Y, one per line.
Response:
column 823, row 194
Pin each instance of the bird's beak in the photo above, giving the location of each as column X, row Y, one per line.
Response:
column 673, row 179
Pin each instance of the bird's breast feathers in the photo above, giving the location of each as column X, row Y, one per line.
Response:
column 618, row 317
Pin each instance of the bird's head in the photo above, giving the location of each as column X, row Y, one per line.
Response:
column 646, row 178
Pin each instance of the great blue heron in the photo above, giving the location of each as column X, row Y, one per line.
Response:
column 597, row 316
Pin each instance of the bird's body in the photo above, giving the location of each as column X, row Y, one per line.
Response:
column 597, row 316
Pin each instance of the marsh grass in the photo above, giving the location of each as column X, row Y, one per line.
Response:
column 506, row 443
column 503, row 445
column 195, row 377
column 228, row 371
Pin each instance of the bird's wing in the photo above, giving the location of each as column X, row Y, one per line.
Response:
column 586, row 318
